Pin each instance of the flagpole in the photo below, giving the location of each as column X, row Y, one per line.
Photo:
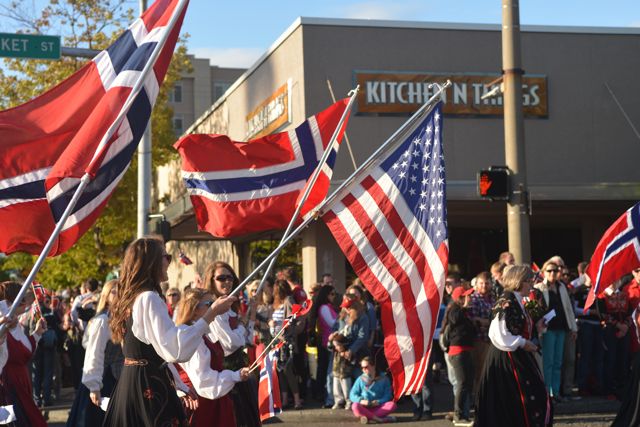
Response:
column 84, row 181
column 86, row 178
column 316, row 212
column 312, row 181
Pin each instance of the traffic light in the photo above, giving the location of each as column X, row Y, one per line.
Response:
column 493, row 183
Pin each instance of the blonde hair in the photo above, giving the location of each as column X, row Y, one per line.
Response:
column 103, row 303
column 188, row 303
column 515, row 275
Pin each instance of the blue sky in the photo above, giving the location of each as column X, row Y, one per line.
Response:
column 235, row 33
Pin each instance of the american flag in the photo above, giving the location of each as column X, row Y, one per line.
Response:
column 269, row 388
column 617, row 253
column 392, row 226
column 238, row 188
column 90, row 123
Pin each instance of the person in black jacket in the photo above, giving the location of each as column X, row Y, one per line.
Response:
column 461, row 332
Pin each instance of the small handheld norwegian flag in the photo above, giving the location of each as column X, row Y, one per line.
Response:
column 184, row 259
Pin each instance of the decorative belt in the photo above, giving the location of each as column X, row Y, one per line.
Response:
column 135, row 362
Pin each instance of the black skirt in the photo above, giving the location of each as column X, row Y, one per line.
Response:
column 629, row 412
column 512, row 392
column 84, row 412
column 145, row 395
column 245, row 403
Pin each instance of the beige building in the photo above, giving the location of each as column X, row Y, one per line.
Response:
column 581, row 110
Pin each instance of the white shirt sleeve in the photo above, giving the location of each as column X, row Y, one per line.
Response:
column 98, row 334
column 502, row 338
column 207, row 382
column 230, row 339
column 180, row 385
column 152, row 325
column 326, row 315
column 4, row 355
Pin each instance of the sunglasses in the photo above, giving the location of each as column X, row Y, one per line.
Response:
column 552, row 271
column 172, row 295
column 637, row 270
column 168, row 257
column 224, row 278
column 205, row 303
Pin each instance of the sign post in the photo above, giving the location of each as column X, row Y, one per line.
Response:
column 29, row 46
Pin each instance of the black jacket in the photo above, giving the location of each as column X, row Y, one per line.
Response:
column 461, row 328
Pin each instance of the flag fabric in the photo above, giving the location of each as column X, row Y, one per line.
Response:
column 617, row 253
column 48, row 143
column 238, row 188
column 269, row 388
column 184, row 259
column 39, row 291
column 391, row 223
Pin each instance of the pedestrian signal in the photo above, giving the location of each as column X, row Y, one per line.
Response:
column 493, row 183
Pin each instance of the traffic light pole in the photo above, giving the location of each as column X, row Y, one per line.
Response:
column 518, row 204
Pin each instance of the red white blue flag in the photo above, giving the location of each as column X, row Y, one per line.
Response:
column 269, row 388
column 617, row 253
column 238, row 188
column 391, row 223
column 47, row 144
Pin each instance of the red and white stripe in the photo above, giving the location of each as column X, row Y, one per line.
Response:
column 393, row 256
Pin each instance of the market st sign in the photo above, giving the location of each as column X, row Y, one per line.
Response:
column 272, row 113
column 403, row 93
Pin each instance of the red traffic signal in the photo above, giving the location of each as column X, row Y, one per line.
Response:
column 493, row 183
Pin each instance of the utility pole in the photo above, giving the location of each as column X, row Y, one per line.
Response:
column 518, row 204
column 144, row 170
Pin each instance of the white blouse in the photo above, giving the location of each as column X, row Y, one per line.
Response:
column 230, row 339
column 501, row 337
column 153, row 325
column 207, row 382
column 97, row 335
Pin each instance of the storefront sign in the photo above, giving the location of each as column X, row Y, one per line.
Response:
column 403, row 93
column 271, row 114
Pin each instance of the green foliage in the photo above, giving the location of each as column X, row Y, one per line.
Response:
column 289, row 256
column 93, row 24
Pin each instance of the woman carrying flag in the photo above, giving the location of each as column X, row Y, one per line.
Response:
column 145, row 393
column 204, row 370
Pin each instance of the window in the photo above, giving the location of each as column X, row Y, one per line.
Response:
column 178, row 125
column 176, row 94
column 219, row 88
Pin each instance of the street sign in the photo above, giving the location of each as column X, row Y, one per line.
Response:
column 29, row 46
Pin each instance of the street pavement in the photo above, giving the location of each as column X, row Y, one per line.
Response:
column 586, row 412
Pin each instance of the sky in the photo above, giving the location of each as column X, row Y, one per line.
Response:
column 236, row 33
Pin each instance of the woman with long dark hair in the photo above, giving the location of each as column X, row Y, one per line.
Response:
column 511, row 390
column 204, row 371
column 323, row 316
column 145, row 394
column 103, row 361
column 230, row 331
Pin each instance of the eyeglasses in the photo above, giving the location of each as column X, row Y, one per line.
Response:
column 552, row 271
column 224, row 278
column 365, row 366
column 205, row 303
column 168, row 257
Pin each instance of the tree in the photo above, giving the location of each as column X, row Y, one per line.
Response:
column 92, row 24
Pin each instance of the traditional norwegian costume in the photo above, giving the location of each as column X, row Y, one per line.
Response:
column 145, row 394
column 511, row 390
column 103, row 363
column 204, row 373
column 629, row 412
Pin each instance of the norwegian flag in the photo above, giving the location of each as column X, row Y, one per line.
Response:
column 90, row 123
column 184, row 259
column 39, row 291
column 391, row 223
column 238, row 188
column 617, row 253
column 269, row 388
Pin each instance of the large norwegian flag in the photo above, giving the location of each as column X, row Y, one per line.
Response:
column 238, row 188
column 91, row 122
column 617, row 253
column 269, row 388
column 391, row 223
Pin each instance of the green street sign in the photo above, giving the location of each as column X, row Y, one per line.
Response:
column 29, row 46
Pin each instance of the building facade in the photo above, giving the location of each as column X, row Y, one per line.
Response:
column 581, row 133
